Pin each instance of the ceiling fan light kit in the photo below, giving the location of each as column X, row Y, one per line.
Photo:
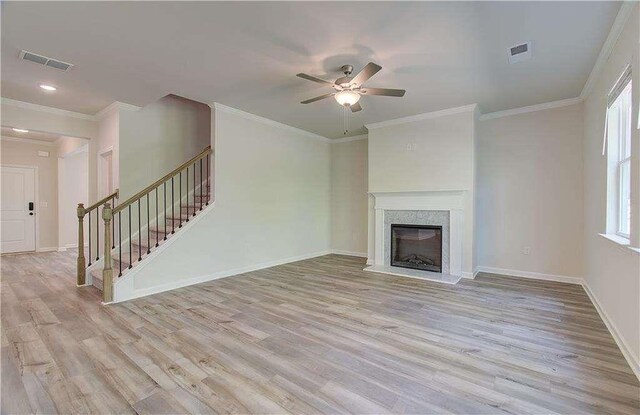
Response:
column 348, row 89
column 347, row 98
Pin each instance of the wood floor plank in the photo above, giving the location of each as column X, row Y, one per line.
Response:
column 315, row 336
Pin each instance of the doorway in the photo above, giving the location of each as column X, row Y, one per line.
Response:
column 18, row 208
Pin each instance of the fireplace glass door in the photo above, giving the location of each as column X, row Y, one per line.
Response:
column 417, row 247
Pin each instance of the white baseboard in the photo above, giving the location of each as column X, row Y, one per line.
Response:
column 532, row 275
column 370, row 261
column 349, row 253
column 124, row 290
column 47, row 249
column 469, row 275
column 633, row 361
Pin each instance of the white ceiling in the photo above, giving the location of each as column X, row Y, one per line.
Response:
column 246, row 55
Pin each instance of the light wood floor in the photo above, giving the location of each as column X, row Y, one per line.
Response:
column 313, row 336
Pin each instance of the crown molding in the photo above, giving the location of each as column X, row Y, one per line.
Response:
column 424, row 116
column 230, row 110
column 42, row 108
column 531, row 108
column 29, row 141
column 616, row 29
column 116, row 105
column 349, row 139
column 51, row 110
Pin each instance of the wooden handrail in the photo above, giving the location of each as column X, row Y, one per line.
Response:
column 102, row 201
column 164, row 178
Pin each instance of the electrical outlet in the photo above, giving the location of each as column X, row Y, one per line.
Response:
column 526, row 250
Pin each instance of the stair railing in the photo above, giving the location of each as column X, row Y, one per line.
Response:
column 82, row 212
column 155, row 203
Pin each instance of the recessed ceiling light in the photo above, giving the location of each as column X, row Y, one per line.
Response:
column 48, row 87
column 20, row 130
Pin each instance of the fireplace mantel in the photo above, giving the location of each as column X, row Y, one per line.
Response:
column 451, row 201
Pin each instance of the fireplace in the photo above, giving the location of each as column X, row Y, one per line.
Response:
column 417, row 247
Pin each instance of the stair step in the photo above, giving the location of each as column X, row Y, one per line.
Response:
column 115, row 265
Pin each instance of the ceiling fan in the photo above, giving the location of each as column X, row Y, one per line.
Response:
column 348, row 89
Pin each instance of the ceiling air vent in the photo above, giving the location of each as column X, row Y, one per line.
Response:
column 519, row 53
column 46, row 61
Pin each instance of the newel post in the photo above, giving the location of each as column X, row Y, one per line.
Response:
column 107, row 272
column 81, row 265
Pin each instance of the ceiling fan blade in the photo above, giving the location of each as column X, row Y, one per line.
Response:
column 383, row 91
column 309, row 101
column 313, row 78
column 356, row 107
column 366, row 73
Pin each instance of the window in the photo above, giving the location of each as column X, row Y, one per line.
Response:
column 619, row 158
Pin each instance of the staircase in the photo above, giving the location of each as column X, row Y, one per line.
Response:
column 143, row 223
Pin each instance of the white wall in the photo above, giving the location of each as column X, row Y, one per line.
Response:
column 612, row 273
column 442, row 158
column 272, row 204
column 73, row 188
column 349, row 197
column 160, row 137
column 529, row 192
column 434, row 152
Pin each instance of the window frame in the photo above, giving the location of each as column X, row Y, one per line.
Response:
column 619, row 118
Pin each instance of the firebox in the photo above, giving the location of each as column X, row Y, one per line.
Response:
column 417, row 247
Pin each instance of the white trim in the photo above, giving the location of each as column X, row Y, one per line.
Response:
column 634, row 362
column 129, row 292
column 349, row 139
column 470, row 275
column 45, row 249
column 607, row 47
column 529, row 274
column 424, row 116
column 531, row 108
column 96, row 117
column 116, row 105
column 29, row 141
column 42, row 108
column 247, row 115
column 349, row 253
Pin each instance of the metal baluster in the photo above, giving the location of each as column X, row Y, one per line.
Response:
column 139, row 232
column 98, row 233
column 201, row 184
column 194, row 189
column 130, row 258
column 89, row 237
column 120, row 242
column 208, row 188
column 157, row 228
column 148, row 229
column 164, row 196
column 187, row 198
column 180, row 193
column 173, row 216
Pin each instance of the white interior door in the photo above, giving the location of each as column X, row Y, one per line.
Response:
column 17, row 209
